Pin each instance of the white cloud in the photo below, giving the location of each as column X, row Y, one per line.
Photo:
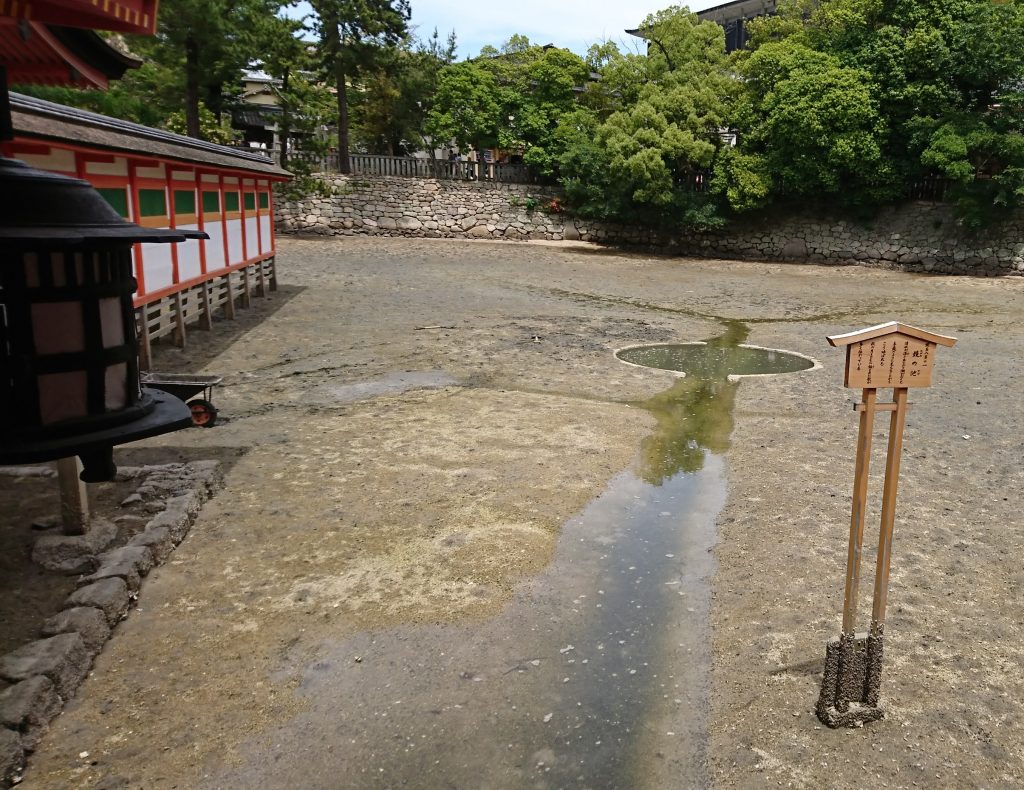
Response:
column 573, row 24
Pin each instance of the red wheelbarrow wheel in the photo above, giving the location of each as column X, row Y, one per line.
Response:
column 204, row 413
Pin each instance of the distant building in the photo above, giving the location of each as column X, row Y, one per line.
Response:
column 258, row 119
column 733, row 17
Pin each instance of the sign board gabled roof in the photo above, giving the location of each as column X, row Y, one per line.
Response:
column 891, row 328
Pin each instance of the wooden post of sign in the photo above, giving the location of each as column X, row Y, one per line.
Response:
column 894, row 356
column 892, row 474
column 860, row 498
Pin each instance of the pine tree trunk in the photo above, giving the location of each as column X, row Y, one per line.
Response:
column 332, row 42
column 192, row 88
column 344, row 165
column 286, row 120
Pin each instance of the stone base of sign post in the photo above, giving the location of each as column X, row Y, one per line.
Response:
column 851, row 681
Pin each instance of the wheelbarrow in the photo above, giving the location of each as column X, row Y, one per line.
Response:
column 185, row 386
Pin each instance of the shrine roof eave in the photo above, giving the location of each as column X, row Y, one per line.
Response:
column 125, row 16
column 34, row 53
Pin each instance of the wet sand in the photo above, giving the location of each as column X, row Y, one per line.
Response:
column 404, row 574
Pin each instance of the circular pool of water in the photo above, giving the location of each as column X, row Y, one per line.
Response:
column 710, row 361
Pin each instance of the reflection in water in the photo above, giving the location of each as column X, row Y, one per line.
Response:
column 596, row 674
column 694, row 416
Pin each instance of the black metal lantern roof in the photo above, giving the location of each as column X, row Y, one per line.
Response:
column 42, row 208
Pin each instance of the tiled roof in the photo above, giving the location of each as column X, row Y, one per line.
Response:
column 41, row 119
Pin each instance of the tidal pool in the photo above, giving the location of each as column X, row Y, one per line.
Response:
column 715, row 361
column 596, row 674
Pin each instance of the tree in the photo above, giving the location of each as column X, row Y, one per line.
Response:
column 538, row 87
column 210, row 128
column 285, row 56
column 351, row 33
column 467, row 107
column 809, row 126
column 654, row 149
column 201, row 48
column 397, row 96
column 510, row 98
column 619, row 78
column 935, row 85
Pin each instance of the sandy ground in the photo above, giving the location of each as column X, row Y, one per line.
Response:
column 421, row 423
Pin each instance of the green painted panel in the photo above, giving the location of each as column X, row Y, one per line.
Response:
column 116, row 197
column 264, row 200
column 211, row 202
column 152, row 203
column 231, row 201
column 184, row 202
column 250, row 201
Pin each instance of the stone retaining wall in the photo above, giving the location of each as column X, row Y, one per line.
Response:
column 38, row 678
column 917, row 236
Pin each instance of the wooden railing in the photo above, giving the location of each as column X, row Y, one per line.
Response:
column 416, row 167
column 932, row 187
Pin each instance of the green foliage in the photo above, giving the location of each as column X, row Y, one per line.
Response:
column 510, row 98
column 743, row 180
column 809, row 126
column 303, row 185
column 534, row 109
column 858, row 98
column 198, row 54
column 123, row 99
column 641, row 162
column 354, row 36
column 210, row 128
column 389, row 113
column 467, row 107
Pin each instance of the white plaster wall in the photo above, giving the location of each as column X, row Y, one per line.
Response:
column 214, row 246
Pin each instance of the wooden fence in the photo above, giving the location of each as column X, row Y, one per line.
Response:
column 934, row 188
column 417, row 167
column 170, row 315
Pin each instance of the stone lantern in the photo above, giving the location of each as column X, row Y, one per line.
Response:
column 69, row 372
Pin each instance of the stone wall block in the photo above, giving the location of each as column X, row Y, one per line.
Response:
column 109, row 596
column 918, row 235
column 88, row 623
column 28, row 707
column 12, row 757
column 158, row 540
column 177, row 515
column 74, row 554
column 62, row 658
column 128, row 563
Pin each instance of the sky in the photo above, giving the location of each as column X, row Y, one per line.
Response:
column 572, row 24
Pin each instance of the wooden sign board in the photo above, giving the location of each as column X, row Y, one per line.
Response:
column 890, row 355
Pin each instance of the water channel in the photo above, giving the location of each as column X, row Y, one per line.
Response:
column 596, row 674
